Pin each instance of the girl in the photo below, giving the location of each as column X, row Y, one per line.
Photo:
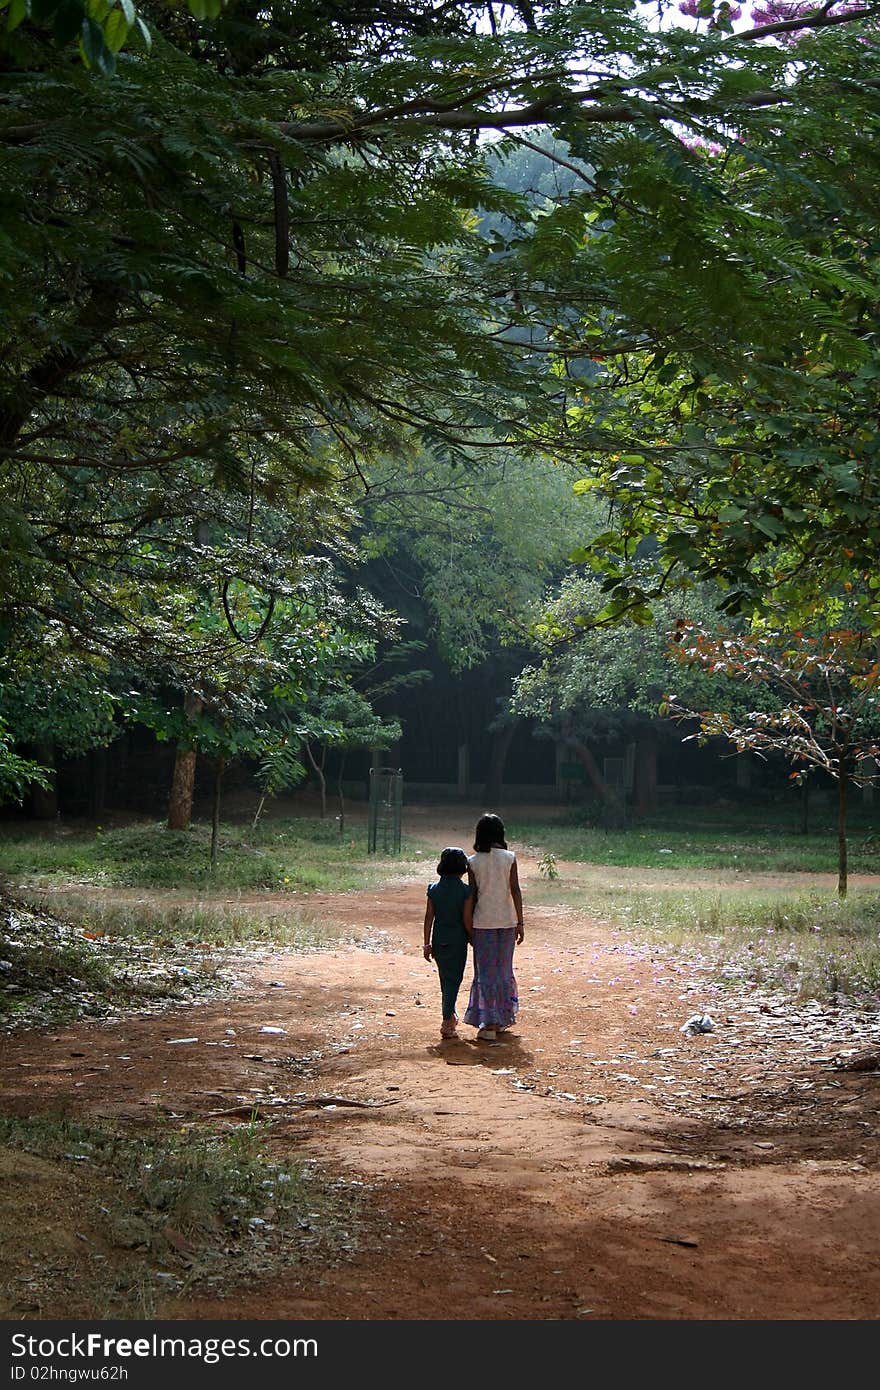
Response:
column 448, row 918
column 497, row 927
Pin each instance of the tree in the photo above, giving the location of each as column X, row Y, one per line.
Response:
column 265, row 701
column 332, row 712
column 204, row 313
column 349, row 722
column 827, row 716
column 56, row 713
column 733, row 422
column 241, row 267
column 291, row 254
column 464, row 553
column 595, row 684
column 17, row 773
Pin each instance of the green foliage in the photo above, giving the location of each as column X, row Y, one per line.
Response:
column 65, row 710
column 243, row 279
column 288, row 684
column 478, row 543
column 345, row 719
column 17, row 773
column 732, row 423
column 98, row 28
column 827, row 715
column 207, row 326
column 280, row 768
column 278, row 855
column 547, row 865
column 593, row 680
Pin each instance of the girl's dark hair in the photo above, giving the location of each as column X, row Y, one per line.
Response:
column 489, row 832
column 452, row 861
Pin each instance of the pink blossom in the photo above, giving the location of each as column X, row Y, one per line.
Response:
column 776, row 11
column 694, row 142
column 780, row 11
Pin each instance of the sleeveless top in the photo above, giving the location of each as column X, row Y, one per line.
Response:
column 491, row 871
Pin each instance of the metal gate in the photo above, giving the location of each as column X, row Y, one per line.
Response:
column 386, row 805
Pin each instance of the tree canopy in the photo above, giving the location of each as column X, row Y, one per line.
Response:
column 249, row 255
column 824, row 715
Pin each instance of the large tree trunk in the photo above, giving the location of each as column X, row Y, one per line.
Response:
column 645, row 777
column 842, row 790
column 501, row 741
column 180, row 802
column 182, row 784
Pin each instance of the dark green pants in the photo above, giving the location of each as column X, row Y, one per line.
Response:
column 450, row 957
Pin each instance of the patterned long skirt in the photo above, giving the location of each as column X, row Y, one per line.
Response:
column 494, row 1000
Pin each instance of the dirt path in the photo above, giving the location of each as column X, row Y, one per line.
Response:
column 593, row 1164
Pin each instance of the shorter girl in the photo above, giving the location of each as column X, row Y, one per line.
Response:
column 448, row 917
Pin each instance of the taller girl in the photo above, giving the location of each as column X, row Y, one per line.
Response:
column 498, row 926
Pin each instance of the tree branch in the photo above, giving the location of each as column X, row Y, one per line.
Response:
column 819, row 20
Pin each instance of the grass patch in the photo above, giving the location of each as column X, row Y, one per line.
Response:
column 53, row 971
column 291, row 855
column 74, row 979
column 806, row 942
column 68, row 954
column 169, row 922
column 809, row 943
column 746, row 840
column 163, row 1213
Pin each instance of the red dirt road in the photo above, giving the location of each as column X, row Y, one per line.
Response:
column 595, row 1164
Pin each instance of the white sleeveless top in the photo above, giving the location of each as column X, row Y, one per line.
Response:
column 491, row 871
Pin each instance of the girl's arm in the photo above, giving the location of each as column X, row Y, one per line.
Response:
column 516, row 894
column 429, row 922
column 467, row 913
